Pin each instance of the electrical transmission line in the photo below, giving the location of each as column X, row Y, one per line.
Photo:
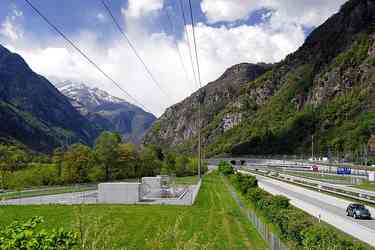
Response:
column 118, row 26
column 188, row 42
column 54, row 27
column 199, row 92
column 176, row 45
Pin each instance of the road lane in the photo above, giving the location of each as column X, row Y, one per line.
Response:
column 330, row 209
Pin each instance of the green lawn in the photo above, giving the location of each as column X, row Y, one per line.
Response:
column 214, row 222
column 188, row 180
column 367, row 186
column 318, row 176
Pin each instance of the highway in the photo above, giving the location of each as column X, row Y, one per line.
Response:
column 330, row 209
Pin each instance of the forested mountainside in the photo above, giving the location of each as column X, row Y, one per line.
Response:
column 326, row 89
column 33, row 112
column 109, row 112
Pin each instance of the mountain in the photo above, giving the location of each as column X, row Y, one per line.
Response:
column 179, row 124
column 33, row 112
column 325, row 90
column 109, row 112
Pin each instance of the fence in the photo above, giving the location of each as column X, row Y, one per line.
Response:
column 263, row 229
column 273, row 241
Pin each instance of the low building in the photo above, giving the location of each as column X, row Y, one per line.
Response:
column 119, row 193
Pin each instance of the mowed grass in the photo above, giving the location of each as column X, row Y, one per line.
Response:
column 214, row 222
column 318, row 176
column 188, row 180
column 367, row 186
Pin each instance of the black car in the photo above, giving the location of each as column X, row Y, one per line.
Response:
column 358, row 211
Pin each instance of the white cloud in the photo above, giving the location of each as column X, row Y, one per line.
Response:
column 139, row 8
column 218, row 49
column 302, row 12
column 10, row 28
column 101, row 17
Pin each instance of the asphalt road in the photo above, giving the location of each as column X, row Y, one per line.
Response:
column 330, row 209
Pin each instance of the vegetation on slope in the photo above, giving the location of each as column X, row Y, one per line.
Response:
column 341, row 122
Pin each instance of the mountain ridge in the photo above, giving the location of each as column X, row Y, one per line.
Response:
column 109, row 112
column 33, row 112
column 316, row 90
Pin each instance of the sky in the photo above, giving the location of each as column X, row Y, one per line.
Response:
column 228, row 32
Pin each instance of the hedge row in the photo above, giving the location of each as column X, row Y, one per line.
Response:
column 301, row 230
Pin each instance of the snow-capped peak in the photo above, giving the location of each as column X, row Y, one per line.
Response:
column 88, row 97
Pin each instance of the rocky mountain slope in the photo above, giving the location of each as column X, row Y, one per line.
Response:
column 179, row 124
column 326, row 89
column 107, row 111
column 33, row 112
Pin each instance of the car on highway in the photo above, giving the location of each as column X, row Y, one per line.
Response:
column 358, row 211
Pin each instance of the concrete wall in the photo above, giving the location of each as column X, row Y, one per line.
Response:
column 154, row 183
column 119, row 193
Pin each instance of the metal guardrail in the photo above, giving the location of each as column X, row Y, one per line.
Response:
column 349, row 193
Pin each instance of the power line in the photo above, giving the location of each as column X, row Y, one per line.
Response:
column 107, row 8
column 195, row 43
column 83, row 54
column 188, row 42
column 199, row 92
column 176, row 45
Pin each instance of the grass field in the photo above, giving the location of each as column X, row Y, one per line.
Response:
column 318, row 176
column 367, row 186
column 214, row 222
column 188, row 180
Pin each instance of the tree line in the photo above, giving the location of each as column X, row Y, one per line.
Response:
column 110, row 159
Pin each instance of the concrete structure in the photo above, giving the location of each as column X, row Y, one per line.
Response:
column 152, row 182
column 371, row 176
column 119, row 193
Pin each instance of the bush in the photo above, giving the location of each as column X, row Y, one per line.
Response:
column 225, row 168
column 26, row 236
column 256, row 194
column 245, row 182
column 292, row 224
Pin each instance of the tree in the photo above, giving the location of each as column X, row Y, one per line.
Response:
column 182, row 168
column 106, row 146
column 11, row 159
column 77, row 163
column 57, row 159
column 170, row 162
column 149, row 160
column 127, row 162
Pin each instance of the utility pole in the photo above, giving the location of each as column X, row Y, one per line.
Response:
column 199, row 137
column 312, row 147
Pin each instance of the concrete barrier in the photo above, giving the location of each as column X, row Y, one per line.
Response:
column 119, row 193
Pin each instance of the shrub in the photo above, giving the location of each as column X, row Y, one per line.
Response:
column 256, row 194
column 245, row 182
column 225, row 168
column 26, row 236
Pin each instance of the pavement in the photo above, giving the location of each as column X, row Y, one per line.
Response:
column 328, row 208
column 88, row 197
column 337, row 186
